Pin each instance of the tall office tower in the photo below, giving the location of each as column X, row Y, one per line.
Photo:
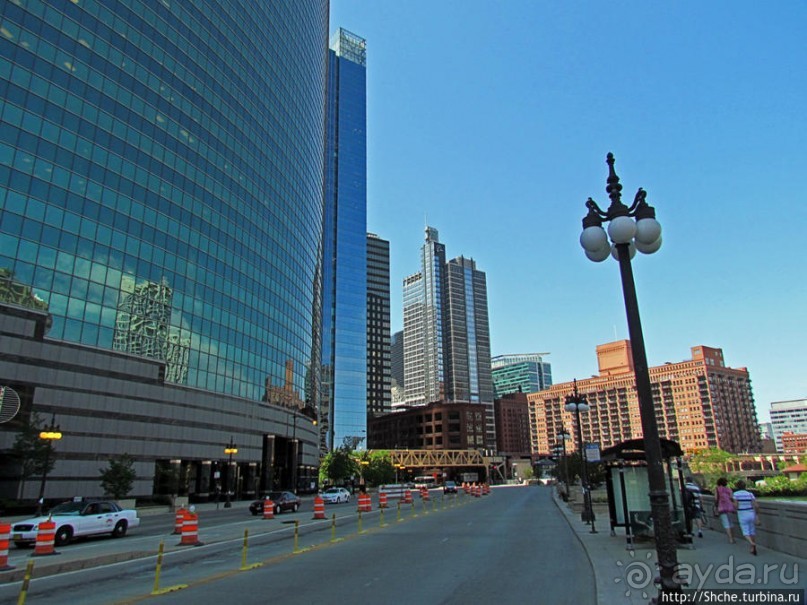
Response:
column 700, row 403
column 397, row 368
column 527, row 373
column 378, row 326
column 788, row 417
column 446, row 333
column 344, row 354
column 423, row 325
column 161, row 196
column 466, row 332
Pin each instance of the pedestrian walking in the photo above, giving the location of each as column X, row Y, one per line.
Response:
column 724, row 506
column 747, row 514
column 694, row 504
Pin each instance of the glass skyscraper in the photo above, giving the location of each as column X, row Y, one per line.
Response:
column 527, row 373
column 344, row 333
column 161, row 171
column 379, row 377
column 446, row 336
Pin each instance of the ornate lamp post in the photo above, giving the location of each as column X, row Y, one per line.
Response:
column 630, row 229
column 48, row 435
column 230, row 450
column 577, row 403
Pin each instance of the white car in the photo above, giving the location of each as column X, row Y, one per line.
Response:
column 334, row 495
column 77, row 519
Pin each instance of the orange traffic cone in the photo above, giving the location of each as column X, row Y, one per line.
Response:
column 319, row 508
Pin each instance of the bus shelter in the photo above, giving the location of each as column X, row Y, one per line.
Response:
column 629, row 491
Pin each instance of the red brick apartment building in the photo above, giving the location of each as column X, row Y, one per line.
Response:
column 700, row 403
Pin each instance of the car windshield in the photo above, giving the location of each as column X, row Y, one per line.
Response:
column 275, row 495
column 68, row 508
column 332, row 490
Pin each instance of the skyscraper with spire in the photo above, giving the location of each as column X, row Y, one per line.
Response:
column 446, row 333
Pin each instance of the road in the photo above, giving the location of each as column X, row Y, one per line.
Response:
column 512, row 546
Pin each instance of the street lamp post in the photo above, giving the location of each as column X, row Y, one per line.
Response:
column 630, row 229
column 48, row 435
column 230, row 450
column 577, row 403
column 564, row 435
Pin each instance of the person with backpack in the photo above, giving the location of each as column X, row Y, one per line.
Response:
column 694, row 504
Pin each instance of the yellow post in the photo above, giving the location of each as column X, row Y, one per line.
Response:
column 381, row 518
column 399, row 511
column 159, row 567
column 26, row 581
column 296, row 535
column 360, row 529
column 157, row 590
column 333, row 527
column 244, row 566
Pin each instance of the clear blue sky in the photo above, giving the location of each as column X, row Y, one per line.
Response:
column 490, row 120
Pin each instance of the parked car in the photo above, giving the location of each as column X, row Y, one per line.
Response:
column 78, row 519
column 449, row 487
column 282, row 501
column 334, row 495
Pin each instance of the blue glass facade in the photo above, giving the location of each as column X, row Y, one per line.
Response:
column 161, row 182
column 344, row 333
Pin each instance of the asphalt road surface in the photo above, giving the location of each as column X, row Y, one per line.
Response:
column 512, row 546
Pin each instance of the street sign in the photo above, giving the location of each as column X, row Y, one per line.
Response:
column 592, row 452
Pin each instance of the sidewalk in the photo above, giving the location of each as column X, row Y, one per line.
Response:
column 626, row 576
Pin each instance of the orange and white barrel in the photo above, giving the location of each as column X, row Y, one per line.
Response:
column 45, row 539
column 408, row 496
column 268, row 508
column 319, row 508
column 5, row 534
column 424, row 494
column 179, row 520
column 190, row 530
column 382, row 500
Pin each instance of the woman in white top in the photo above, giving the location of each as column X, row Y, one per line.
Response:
column 747, row 514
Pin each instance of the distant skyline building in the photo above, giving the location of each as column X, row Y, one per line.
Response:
column 513, row 425
column 161, row 182
column 788, row 417
column 397, row 368
column 700, row 403
column 527, row 373
column 344, row 296
column 379, row 379
column 447, row 333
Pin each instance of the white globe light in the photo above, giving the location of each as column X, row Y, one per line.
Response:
column 631, row 251
column 648, row 230
column 583, row 407
column 599, row 255
column 648, row 248
column 621, row 229
column 570, row 407
column 593, row 239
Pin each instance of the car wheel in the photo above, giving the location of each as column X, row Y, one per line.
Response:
column 295, row 507
column 120, row 529
column 277, row 509
column 63, row 535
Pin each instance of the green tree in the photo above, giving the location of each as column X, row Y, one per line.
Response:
column 35, row 456
column 711, row 465
column 337, row 466
column 380, row 469
column 118, row 478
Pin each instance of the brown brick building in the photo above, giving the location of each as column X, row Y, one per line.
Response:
column 699, row 403
column 512, row 425
column 437, row 426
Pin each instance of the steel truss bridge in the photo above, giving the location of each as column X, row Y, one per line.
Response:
column 442, row 458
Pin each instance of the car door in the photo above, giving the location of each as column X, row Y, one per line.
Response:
column 91, row 520
column 108, row 516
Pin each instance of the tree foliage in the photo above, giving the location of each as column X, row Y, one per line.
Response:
column 118, row 478
column 35, row 456
column 710, row 464
column 337, row 467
